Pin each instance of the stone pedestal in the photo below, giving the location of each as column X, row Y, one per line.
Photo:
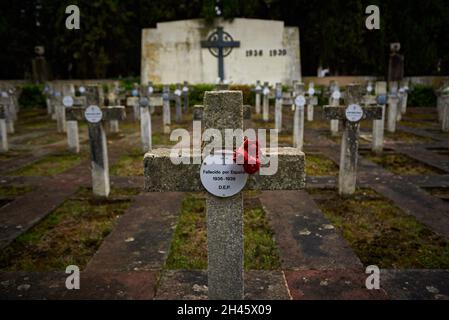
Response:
column 73, row 136
column 393, row 101
column 114, row 126
column 99, row 160
column 378, row 133
column 145, row 129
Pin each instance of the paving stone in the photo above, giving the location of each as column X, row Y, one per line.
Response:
column 416, row 284
column 51, row 285
column 306, row 239
column 192, row 285
column 142, row 237
column 337, row 284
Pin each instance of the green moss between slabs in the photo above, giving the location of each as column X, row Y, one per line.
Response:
column 70, row 235
column 50, row 165
column 380, row 233
column 189, row 245
column 401, row 164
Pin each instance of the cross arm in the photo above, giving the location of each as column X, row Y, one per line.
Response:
column 339, row 113
column 109, row 113
column 162, row 175
column 199, row 108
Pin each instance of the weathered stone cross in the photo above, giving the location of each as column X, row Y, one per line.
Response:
column 223, row 110
column 350, row 115
column 378, row 125
column 145, row 118
column 298, row 119
column 98, row 143
column 312, row 101
column 3, row 132
column 258, row 91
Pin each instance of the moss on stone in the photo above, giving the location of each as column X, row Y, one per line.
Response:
column 380, row 233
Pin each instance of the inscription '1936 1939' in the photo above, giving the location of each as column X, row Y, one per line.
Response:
column 271, row 53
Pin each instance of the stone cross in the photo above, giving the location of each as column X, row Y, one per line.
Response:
column 298, row 119
column 258, row 91
column 334, row 102
column 312, row 101
column 98, row 143
column 113, row 101
column 393, row 101
column 145, row 119
column 396, row 63
column 177, row 97
column 166, row 114
column 223, row 110
column 378, row 125
column 445, row 112
column 403, row 97
column 185, row 95
column 439, row 93
column 59, row 109
column 73, row 141
column 10, row 110
column 220, row 45
column 266, row 102
column 350, row 116
column 278, row 107
column 3, row 132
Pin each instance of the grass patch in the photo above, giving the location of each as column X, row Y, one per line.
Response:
column 401, row 136
column 128, row 165
column 47, row 138
column 439, row 192
column 380, row 233
column 189, row 245
column 318, row 165
column 417, row 124
column 71, row 234
column 401, row 164
column 13, row 191
column 50, row 166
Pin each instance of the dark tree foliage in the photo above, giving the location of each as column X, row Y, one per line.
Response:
column 333, row 33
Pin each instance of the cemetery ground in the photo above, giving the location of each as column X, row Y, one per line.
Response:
column 309, row 244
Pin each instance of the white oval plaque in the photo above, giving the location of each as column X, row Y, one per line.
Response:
column 82, row 89
column 369, row 89
column 311, row 91
column 266, row 91
column 178, row 92
column 134, row 93
column 354, row 113
column 93, row 114
column 300, row 101
column 67, row 101
column 150, row 90
column 185, row 89
column 222, row 177
column 336, row 95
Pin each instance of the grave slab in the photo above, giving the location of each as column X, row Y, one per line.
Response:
column 192, row 285
column 142, row 237
column 306, row 239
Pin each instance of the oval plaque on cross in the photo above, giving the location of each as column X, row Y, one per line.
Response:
column 222, row 177
column 67, row 101
column 336, row 95
column 300, row 101
column 354, row 113
column 93, row 114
